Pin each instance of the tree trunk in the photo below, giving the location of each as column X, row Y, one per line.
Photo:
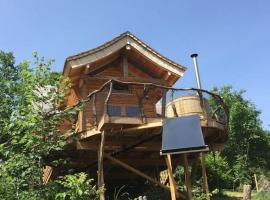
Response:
column 247, row 192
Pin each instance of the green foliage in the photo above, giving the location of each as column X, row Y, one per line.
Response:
column 247, row 149
column 198, row 194
column 262, row 196
column 121, row 194
column 77, row 187
column 138, row 191
column 30, row 115
column 219, row 175
column 218, row 171
column 155, row 193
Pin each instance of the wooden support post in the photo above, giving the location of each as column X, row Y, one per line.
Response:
column 256, row 182
column 94, row 110
column 80, row 124
column 108, row 98
column 139, row 173
column 173, row 189
column 83, row 115
column 100, row 166
column 194, row 168
column 187, row 177
column 247, row 192
column 163, row 105
column 205, row 182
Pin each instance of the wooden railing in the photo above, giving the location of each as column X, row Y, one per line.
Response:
column 217, row 108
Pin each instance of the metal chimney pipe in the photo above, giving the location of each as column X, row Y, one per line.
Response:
column 195, row 62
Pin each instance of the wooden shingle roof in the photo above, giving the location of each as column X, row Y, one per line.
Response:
column 114, row 45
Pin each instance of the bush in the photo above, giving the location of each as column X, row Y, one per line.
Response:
column 218, row 171
column 77, row 187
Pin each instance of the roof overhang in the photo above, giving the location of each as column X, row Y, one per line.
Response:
column 125, row 40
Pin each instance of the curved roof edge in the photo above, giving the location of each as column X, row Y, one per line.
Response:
column 117, row 43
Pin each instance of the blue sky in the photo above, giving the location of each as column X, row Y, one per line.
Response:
column 231, row 37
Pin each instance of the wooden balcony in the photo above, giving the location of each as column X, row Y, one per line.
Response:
column 108, row 110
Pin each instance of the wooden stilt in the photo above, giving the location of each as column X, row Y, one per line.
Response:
column 247, row 192
column 205, row 182
column 256, row 182
column 173, row 189
column 194, row 168
column 187, row 177
column 100, row 166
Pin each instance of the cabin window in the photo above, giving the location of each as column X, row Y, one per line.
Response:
column 114, row 110
column 133, row 111
column 118, row 87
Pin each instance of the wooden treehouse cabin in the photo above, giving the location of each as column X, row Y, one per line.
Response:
column 126, row 89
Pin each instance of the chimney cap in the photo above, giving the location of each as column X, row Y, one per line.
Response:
column 194, row 55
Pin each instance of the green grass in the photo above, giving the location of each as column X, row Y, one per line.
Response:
column 230, row 195
column 262, row 196
column 233, row 194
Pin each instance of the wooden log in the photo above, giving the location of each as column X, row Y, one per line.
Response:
column 156, row 124
column 84, row 114
column 256, row 182
column 100, row 166
column 94, row 107
column 247, row 192
column 121, row 144
column 134, row 79
column 205, row 182
column 187, row 177
column 108, row 98
column 173, row 189
column 139, row 173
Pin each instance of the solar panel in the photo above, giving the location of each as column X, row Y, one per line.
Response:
column 182, row 134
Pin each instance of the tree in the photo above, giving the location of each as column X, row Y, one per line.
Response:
column 247, row 149
column 219, row 172
column 30, row 115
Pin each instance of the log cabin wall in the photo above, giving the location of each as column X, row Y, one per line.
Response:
column 125, row 99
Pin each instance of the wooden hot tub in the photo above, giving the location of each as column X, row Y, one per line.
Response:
column 214, row 131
